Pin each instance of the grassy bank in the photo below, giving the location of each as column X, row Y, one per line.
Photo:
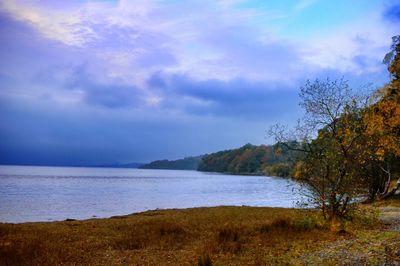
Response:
column 200, row 236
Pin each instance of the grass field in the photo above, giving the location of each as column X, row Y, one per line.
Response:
column 202, row 236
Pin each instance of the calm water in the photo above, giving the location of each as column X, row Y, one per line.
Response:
column 55, row 193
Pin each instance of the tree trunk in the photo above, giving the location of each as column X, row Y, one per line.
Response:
column 386, row 193
column 334, row 224
column 391, row 193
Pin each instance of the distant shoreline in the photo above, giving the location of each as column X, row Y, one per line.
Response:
column 88, row 166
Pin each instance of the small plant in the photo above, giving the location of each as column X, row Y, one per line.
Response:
column 306, row 223
column 204, row 260
column 228, row 239
column 280, row 224
column 228, row 234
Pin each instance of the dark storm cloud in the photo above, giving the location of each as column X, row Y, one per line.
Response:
column 31, row 134
column 237, row 97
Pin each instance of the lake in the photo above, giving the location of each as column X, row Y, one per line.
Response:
column 33, row 193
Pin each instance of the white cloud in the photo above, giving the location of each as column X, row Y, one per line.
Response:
column 341, row 48
column 130, row 40
column 61, row 26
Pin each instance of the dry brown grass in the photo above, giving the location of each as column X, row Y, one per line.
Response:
column 200, row 236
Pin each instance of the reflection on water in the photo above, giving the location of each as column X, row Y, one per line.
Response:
column 55, row 193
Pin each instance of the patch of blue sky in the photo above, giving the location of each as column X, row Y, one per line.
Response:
column 308, row 18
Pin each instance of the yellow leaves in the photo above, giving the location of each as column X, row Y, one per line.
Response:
column 299, row 170
column 383, row 122
column 380, row 153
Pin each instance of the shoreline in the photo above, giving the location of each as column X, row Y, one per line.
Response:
column 123, row 216
column 224, row 235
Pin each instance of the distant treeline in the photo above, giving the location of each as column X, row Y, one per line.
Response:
column 188, row 163
column 250, row 159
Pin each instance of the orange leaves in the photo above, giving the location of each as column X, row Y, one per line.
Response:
column 383, row 122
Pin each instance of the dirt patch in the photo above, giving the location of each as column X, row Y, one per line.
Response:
column 377, row 246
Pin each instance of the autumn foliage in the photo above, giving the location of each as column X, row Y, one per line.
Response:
column 350, row 144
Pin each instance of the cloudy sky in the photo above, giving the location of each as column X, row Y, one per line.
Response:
column 86, row 82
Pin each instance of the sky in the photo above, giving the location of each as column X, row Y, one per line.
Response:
column 90, row 82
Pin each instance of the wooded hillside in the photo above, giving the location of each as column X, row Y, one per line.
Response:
column 188, row 163
column 250, row 159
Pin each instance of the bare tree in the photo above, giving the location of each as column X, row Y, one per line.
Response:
column 327, row 136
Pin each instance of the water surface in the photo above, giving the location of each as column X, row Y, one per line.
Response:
column 32, row 193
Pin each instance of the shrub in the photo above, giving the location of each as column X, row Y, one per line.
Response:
column 228, row 239
column 204, row 260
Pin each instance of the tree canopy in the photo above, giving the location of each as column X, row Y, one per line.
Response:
column 350, row 144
